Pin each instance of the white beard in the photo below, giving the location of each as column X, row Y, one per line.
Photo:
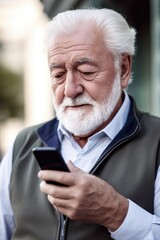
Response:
column 79, row 122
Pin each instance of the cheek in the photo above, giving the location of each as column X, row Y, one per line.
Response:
column 99, row 90
column 58, row 92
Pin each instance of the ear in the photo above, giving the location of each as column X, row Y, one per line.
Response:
column 126, row 63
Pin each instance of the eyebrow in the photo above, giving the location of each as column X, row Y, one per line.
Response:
column 55, row 65
column 84, row 60
column 78, row 62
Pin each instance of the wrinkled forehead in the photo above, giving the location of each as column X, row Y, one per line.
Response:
column 79, row 45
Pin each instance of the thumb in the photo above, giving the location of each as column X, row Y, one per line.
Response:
column 72, row 167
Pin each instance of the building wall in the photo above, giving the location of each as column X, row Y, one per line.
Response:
column 22, row 25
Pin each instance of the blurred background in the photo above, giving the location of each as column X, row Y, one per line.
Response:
column 25, row 94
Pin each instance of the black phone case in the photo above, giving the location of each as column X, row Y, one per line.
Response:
column 49, row 158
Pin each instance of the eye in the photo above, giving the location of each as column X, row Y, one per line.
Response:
column 58, row 78
column 59, row 75
column 87, row 75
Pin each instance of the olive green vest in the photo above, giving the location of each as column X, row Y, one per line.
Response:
column 129, row 164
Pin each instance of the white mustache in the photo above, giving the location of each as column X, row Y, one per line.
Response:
column 81, row 100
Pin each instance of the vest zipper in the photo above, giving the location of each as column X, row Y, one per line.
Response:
column 63, row 227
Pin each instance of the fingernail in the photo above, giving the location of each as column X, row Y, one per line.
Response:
column 42, row 183
column 40, row 174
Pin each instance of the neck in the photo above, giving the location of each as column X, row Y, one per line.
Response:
column 81, row 140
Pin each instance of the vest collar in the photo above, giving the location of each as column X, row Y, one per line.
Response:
column 48, row 133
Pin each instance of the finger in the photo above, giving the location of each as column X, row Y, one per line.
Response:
column 58, row 203
column 65, row 178
column 56, row 191
column 63, row 206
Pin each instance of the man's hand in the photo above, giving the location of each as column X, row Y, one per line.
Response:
column 85, row 197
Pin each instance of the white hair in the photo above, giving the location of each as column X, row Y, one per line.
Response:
column 118, row 35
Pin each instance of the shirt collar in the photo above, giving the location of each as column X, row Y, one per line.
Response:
column 112, row 129
column 119, row 119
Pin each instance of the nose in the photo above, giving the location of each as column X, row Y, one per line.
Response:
column 73, row 85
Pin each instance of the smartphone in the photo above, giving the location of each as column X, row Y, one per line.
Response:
column 50, row 158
